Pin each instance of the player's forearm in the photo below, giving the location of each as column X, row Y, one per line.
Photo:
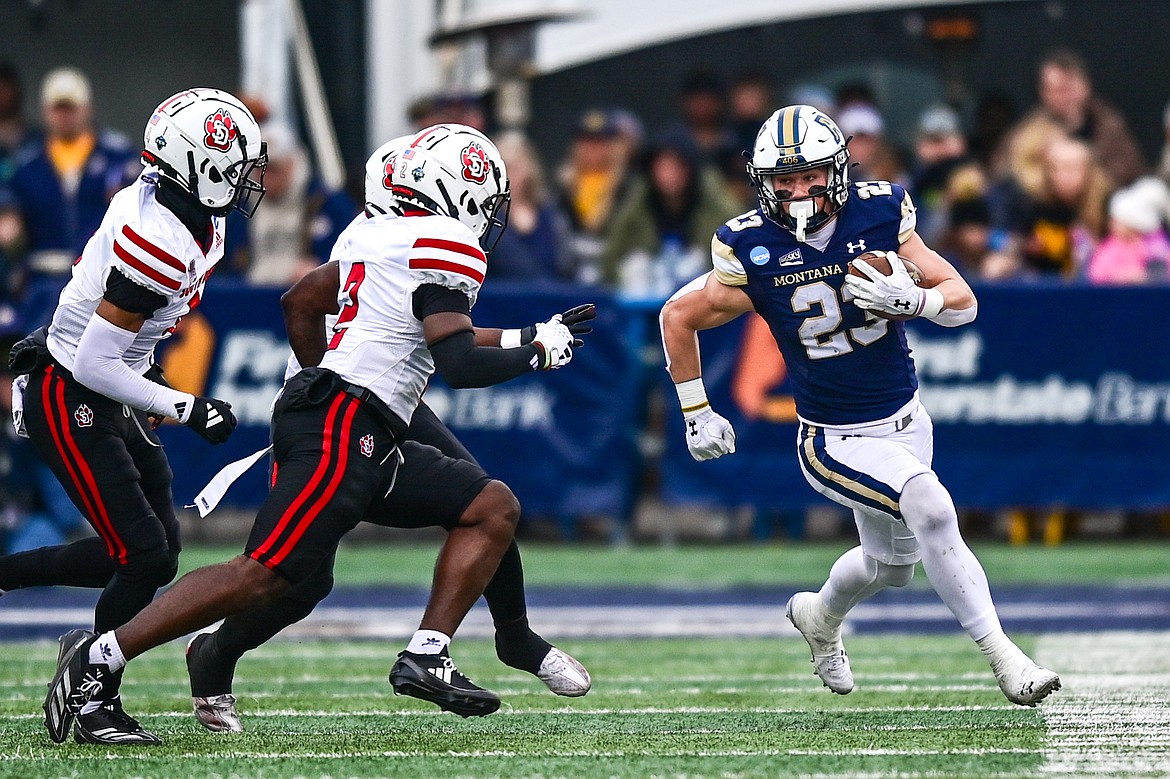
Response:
column 488, row 336
column 98, row 365
column 680, row 342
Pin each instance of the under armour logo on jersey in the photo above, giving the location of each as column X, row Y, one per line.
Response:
column 856, row 247
column 83, row 415
column 366, row 443
column 213, row 417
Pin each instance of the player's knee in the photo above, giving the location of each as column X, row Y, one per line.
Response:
column 255, row 584
column 927, row 507
column 895, row 575
column 313, row 590
column 495, row 509
column 155, row 568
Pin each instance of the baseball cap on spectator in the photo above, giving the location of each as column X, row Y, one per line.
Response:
column 65, row 85
column 596, row 123
column 860, row 119
column 1135, row 209
column 938, row 121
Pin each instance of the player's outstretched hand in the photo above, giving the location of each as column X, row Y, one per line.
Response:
column 213, row 419
column 708, row 434
column 578, row 319
column 554, row 344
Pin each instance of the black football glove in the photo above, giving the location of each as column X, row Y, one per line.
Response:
column 578, row 319
column 213, row 419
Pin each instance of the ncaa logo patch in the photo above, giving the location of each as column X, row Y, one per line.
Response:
column 83, row 415
column 760, row 255
column 366, row 443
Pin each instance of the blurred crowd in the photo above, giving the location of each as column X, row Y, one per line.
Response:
column 1057, row 190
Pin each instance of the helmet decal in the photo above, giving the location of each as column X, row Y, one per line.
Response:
column 475, row 163
column 221, row 130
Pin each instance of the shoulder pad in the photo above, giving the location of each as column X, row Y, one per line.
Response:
column 445, row 252
column 728, row 269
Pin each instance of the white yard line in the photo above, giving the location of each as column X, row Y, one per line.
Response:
column 1113, row 716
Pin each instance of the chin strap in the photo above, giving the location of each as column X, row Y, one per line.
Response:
column 801, row 211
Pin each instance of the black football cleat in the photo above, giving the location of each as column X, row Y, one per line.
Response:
column 74, row 684
column 111, row 725
column 435, row 678
column 211, row 688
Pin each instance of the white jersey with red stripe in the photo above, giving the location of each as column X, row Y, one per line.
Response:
column 376, row 341
column 148, row 244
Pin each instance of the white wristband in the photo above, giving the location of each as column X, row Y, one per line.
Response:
column 932, row 303
column 691, row 395
column 510, row 339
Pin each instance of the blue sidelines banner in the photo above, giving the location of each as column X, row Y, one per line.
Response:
column 1054, row 396
column 563, row 440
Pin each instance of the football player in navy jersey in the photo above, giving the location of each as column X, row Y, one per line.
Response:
column 865, row 441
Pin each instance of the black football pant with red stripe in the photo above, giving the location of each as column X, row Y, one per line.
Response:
column 113, row 467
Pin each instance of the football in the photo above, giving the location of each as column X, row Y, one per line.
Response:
column 879, row 262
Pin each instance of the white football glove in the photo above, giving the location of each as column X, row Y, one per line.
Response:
column 554, row 344
column 19, row 384
column 896, row 294
column 708, row 434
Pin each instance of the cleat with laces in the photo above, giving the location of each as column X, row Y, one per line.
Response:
column 807, row 613
column 75, row 683
column 435, row 678
column 1025, row 683
column 211, row 689
column 111, row 725
column 562, row 674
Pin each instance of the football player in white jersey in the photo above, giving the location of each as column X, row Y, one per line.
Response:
column 403, row 288
column 92, row 394
column 865, row 441
column 212, row 657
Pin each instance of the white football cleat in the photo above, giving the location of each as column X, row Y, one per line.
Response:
column 218, row 713
column 562, row 674
column 1024, row 682
column 806, row 611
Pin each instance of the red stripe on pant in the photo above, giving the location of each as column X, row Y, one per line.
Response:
column 95, row 507
column 330, row 489
column 318, row 475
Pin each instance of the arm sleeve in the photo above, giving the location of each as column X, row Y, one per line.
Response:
column 462, row 364
column 128, row 296
column 950, row 318
column 99, row 366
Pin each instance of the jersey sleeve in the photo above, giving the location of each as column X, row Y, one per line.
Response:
column 143, row 259
column 908, row 217
column 728, row 269
column 448, row 258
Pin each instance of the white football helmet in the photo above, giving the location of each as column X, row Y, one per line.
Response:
column 379, row 167
column 208, row 142
column 794, row 139
column 454, row 170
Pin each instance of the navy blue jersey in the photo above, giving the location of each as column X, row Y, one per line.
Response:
column 845, row 366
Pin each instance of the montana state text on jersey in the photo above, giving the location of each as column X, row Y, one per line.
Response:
column 839, row 357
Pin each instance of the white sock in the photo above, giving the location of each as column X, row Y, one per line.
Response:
column 105, row 651
column 852, row 579
column 999, row 649
column 951, row 566
column 428, row 642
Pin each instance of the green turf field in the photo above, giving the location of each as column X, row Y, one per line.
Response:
column 924, row 707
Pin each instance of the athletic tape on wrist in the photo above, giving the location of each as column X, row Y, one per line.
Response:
column 692, row 396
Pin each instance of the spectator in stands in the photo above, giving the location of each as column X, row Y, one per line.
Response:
column 1062, row 221
column 1066, row 98
column 703, row 108
column 534, row 245
column 940, row 150
column 661, row 235
column 13, row 131
column 594, row 177
column 874, row 159
column 1137, row 250
column 59, row 190
column 300, row 221
column 751, row 103
column 995, row 114
column 814, row 95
